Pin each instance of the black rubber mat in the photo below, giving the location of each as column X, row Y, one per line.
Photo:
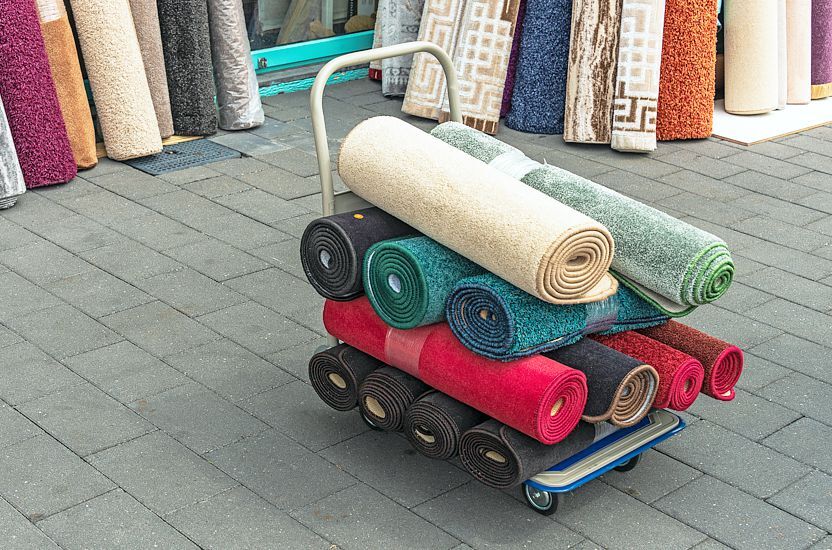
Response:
column 183, row 155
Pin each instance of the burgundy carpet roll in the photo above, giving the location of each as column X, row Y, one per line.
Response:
column 722, row 361
column 680, row 375
column 821, row 48
column 434, row 424
column 30, row 98
column 386, row 394
column 534, row 395
column 336, row 374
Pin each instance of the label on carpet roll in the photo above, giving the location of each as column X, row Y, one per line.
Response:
column 403, row 348
column 50, row 10
column 514, row 163
column 601, row 316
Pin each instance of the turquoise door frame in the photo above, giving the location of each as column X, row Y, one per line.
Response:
column 311, row 52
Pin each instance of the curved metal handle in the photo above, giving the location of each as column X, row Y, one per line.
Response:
column 358, row 58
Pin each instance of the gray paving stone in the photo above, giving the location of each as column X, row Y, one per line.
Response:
column 311, row 203
column 133, row 184
column 189, row 175
column 216, row 259
column 635, row 186
column 809, row 499
column 777, row 150
column 284, row 255
column 105, row 166
column 748, row 415
column 274, row 129
column 161, row 473
column 261, row 206
column 242, row 232
column 767, row 165
column 740, row 298
column 710, row 544
column 125, row 372
column 806, row 395
column 216, row 186
column 97, row 293
column 295, row 360
column 818, row 201
column 280, row 470
column 793, row 288
column 64, row 193
column 705, row 165
column 813, row 161
column 771, row 186
column 238, row 167
column 186, row 207
column 294, row 160
column 732, row 327
column 131, row 261
column 63, row 331
column 228, row 369
column 815, row 180
column 43, row 262
column 712, row 210
column 107, row 208
column 19, row 533
column 576, row 164
column 282, row 183
column 13, row 236
column 249, row 144
column 40, row 477
column 159, row 232
column 656, row 476
column 159, row 329
column 197, row 417
column 79, row 233
column 191, row 292
column 14, row 427
column 699, row 184
column 794, row 318
column 782, row 233
column 35, row 212
column 758, row 373
column 736, row 518
column 825, row 544
column 787, row 259
column 296, row 226
column 7, row 337
column 29, row 373
column 796, row 354
column 646, row 167
column 715, row 148
column 805, row 440
column 587, row 545
column 279, row 290
column 778, row 209
column 733, row 459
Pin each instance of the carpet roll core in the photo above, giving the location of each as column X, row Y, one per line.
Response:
column 751, row 56
column 434, row 424
column 386, row 394
column 337, row 373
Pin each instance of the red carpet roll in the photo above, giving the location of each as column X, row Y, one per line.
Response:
column 722, row 361
column 536, row 396
column 680, row 375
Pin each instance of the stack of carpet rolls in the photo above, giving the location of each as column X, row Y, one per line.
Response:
column 505, row 312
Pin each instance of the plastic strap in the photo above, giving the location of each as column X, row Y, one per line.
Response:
column 601, row 316
column 403, row 348
column 514, row 163
column 50, row 10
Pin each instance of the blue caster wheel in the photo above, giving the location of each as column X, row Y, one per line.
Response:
column 541, row 502
column 629, row 465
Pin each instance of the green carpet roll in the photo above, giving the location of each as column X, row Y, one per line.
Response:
column 408, row 280
column 669, row 263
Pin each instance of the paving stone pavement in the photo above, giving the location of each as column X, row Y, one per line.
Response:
column 154, row 334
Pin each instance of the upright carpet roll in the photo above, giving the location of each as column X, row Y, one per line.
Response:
column 69, row 83
column 537, row 103
column 375, row 66
column 434, row 424
column 590, row 84
column 620, row 388
column 332, row 249
column 187, row 45
column 535, row 395
column 722, row 362
column 637, row 81
column 408, row 281
column 525, row 237
column 238, row 93
column 511, row 72
column 146, row 20
column 116, row 73
column 500, row 321
column 11, row 177
column 751, row 56
column 686, row 87
column 799, row 51
column 337, row 373
column 30, row 99
column 669, row 263
column 399, row 24
column 680, row 375
column 782, row 56
column 386, row 394
column 821, row 48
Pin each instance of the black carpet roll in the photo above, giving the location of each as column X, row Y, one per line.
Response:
column 386, row 394
column 620, row 388
column 501, row 457
column 336, row 374
column 187, row 46
column 332, row 249
column 434, row 424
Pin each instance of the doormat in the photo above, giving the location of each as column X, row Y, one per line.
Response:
column 180, row 156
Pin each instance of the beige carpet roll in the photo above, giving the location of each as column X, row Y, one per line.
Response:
column 799, row 51
column 751, row 56
column 782, row 56
column 529, row 239
column 146, row 19
column 116, row 73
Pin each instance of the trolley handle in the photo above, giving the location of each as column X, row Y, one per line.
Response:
column 358, row 58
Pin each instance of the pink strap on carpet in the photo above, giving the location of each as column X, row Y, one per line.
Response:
column 403, row 348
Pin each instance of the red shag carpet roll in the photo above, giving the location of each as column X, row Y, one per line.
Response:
column 680, row 375
column 535, row 395
column 722, row 361
column 29, row 96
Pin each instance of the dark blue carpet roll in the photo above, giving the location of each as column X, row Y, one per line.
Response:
column 537, row 102
column 498, row 320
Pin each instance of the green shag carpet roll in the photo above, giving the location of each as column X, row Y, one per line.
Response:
column 408, row 280
column 668, row 262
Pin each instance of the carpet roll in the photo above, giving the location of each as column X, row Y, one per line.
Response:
column 399, row 24
column 637, row 78
column 30, row 100
column 782, row 56
column 332, row 249
column 799, row 51
column 386, row 394
column 686, row 85
column 669, row 263
column 501, row 457
column 375, row 66
column 590, row 83
column 821, row 48
column 434, row 424
column 751, row 56
column 680, row 375
column 409, row 280
column 525, row 237
column 119, row 85
column 535, row 395
column 69, row 83
column 505, row 104
column 238, row 93
column 500, row 321
column 722, row 361
column 187, row 46
column 620, row 389
column 337, row 373
column 11, row 177
column 146, row 21
column 537, row 102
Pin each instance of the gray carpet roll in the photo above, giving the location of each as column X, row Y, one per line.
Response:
column 146, row 19
column 11, row 177
column 187, row 45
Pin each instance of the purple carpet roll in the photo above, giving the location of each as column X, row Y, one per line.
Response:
column 821, row 48
column 512, row 61
column 31, row 101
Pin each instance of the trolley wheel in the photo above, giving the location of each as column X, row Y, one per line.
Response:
column 542, row 502
column 629, row 465
column 368, row 422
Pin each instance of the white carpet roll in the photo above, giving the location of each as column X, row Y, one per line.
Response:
column 11, row 177
column 799, row 51
column 782, row 55
column 751, row 56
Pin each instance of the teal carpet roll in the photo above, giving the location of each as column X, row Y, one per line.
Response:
column 498, row 320
column 668, row 262
column 408, row 280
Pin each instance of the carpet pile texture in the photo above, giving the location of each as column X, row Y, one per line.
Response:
column 434, row 424
column 751, row 56
column 11, row 177
column 799, row 51
column 146, row 20
column 511, row 72
column 337, row 373
column 385, row 395
column 821, row 48
column 399, row 24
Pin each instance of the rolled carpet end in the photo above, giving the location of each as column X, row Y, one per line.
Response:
column 434, row 424
column 386, row 394
column 337, row 373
